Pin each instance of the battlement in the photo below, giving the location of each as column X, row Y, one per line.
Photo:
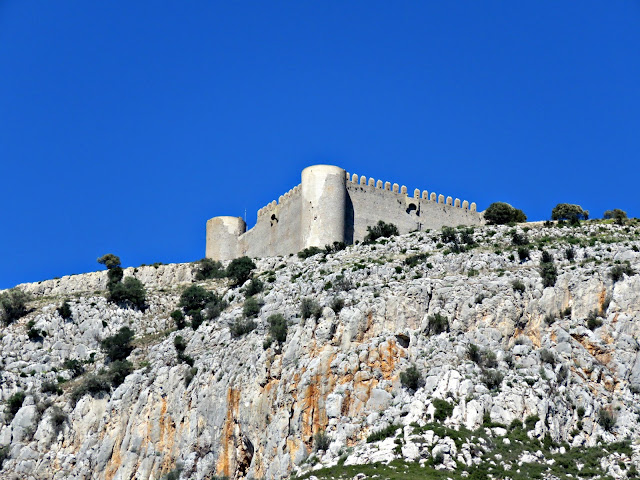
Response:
column 332, row 205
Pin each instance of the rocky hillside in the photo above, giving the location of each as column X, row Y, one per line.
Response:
column 438, row 353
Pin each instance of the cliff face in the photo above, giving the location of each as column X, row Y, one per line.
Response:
column 484, row 334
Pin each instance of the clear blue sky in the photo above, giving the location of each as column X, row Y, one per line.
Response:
column 125, row 125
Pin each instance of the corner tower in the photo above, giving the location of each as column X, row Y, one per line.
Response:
column 324, row 201
column 223, row 234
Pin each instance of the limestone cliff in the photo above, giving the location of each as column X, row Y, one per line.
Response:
column 485, row 335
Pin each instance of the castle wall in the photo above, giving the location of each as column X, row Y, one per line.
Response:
column 331, row 206
column 369, row 202
column 277, row 230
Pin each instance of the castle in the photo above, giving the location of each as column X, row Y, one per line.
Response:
column 330, row 205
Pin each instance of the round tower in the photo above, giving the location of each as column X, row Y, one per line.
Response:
column 222, row 237
column 324, row 200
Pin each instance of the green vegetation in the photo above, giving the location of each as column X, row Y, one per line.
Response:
column 380, row 230
column 500, row 213
column 438, row 323
column 208, row 269
column 618, row 272
column 570, row 212
column 321, row 441
column 310, row 308
column 309, row 252
column 277, row 330
column 443, row 409
column 130, row 290
column 57, row 419
column 548, row 270
column 411, row 378
column 242, row 327
column 606, row 419
column 254, row 287
column 518, row 286
column 13, row 305
column 118, row 346
column 109, row 260
column 240, row 270
column 178, row 318
column 383, row 433
column 64, row 310
column 14, row 403
column 619, row 216
column 180, row 345
column 251, row 307
column 75, row 366
column 336, row 305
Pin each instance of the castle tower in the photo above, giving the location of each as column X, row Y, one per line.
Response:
column 324, row 200
column 222, row 237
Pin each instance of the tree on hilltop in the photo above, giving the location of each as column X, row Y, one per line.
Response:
column 501, row 213
column 109, row 260
column 570, row 212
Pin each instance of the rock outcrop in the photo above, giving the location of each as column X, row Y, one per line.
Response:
column 558, row 365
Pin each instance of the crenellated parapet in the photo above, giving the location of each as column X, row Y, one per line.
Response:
column 402, row 190
column 331, row 205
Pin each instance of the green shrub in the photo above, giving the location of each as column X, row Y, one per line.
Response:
column 336, row 304
column 414, row 260
column 277, row 327
column 309, row 252
column 321, row 441
column 57, row 418
column 548, row 270
column 254, row 287
column 109, row 260
column 194, row 298
column 310, row 308
column 75, row 366
column 380, row 230
column 570, row 254
column 173, row 474
column 438, row 323
column 118, row 346
column 448, row 235
column 215, row 306
column 411, row 378
column 64, row 310
column 114, row 276
column 4, row 454
column 500, row 213
column 518, row 239
column 251, row 307
column 50, row 387
column 547, row 357
column 383, row 433
column 523, row 253
column 492, row 379
column 118, row 371
column 618, row 272
column 13, row 305
column 567, row 211
column 606, row 419
column 530, row 421
column 518, row 286
column 196, row 319
column 130, row 290
column 14, row 403
column 443, row 409
column 618, row 215
column 92, row 385
column 208, row 269
column 240, row 269
column 178, row 318
column 593, row 321
column 35, row 334
column 490, row 359
column 474, row 353
column 242, row 327
column 335, row 247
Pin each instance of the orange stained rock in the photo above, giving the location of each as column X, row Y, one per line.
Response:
column 227, row 453
column 115, row 461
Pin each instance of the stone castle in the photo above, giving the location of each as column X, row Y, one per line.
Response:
column 330, row 205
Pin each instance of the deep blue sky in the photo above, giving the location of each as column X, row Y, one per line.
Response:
column 125, row 125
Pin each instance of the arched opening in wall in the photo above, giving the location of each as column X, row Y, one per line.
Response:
column 413, row 208
column 274, row 220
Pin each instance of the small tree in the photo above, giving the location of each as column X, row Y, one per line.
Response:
column 567, row 211
column 500, row 213
column 109, row 260
column 251, row 307
column 310, row 308
column 411, row 378
column 382, row 229
column 130, row 290
column 64, row 310
column 178, row 317
column 321, row 441
column 278, row 327
column 118, row 346
column 14, row 403
column 438, row 323
column 618, row 215
column 239, row 270
column 13, row 305
column 207, row 269
column 548, row 270
column 194, row 299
